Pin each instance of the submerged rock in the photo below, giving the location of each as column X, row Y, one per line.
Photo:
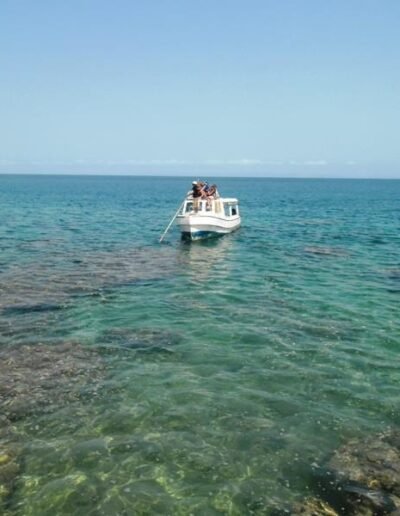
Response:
column 38, row 379
column 325, row 251
column 369, row 470
column 52, row 285
column 313, row 507
column 374, row 461
column 350, row 498
column 8, row 475
column 29, row 308
column 42, row 377
column 145, row 340
column 9, row 467
column 362, row 478
column 393, row 274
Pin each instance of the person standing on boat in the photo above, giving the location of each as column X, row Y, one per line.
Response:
column 212, row 192
column 204, row 189
column 196, row 189
column 196, row 194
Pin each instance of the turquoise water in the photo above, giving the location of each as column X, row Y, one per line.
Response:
column 204, row 378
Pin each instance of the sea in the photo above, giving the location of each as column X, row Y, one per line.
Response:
column 178, row 378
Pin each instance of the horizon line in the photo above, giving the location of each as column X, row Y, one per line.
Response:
column 175, row 176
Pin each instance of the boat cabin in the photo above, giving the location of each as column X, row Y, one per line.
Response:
column 224, row 207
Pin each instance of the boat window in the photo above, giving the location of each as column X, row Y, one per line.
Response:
column 227, row 210
column 208, row 206
column 234, row 211
column 189, row 207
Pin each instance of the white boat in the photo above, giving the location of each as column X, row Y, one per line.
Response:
column 204, row 218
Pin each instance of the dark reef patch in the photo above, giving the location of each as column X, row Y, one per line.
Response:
column 325, row 251
column 27, row 309
column 144, row 340
column 43, row 377
column 362, row 478
column 9, row 465
column 393, row 274
column 47, row 285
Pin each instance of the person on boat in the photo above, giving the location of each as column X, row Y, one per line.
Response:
column 212, row 191
column 200, row 189
column 211, row 194
column 204, row 189
column 197, row 194
column 197, row 189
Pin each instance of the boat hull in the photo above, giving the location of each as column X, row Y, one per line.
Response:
column 199, row 228
column 200, row 235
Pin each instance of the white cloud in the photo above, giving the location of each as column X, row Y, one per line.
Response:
column 236, row 162
column 316, row 163
column 309, row 163
column 245, row 162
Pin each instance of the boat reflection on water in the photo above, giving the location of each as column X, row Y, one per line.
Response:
column 202, row 259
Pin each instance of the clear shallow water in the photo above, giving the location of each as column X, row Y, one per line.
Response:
column 221, row 371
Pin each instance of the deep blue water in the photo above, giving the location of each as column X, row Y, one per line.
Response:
column 202, row 378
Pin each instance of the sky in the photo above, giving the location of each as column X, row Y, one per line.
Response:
column 299, row 88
